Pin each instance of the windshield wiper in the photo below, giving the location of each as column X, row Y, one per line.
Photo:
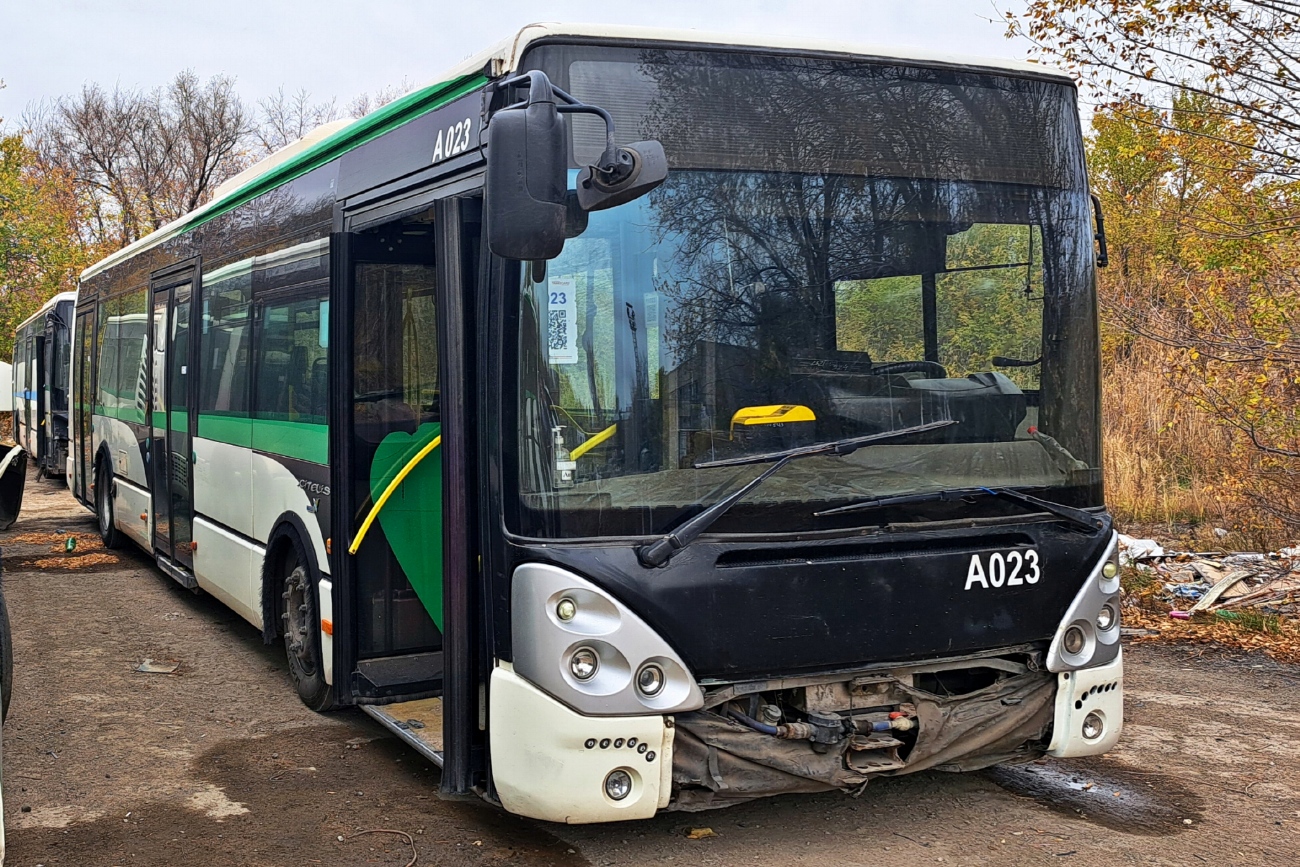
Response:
column 660, row 551
column 1077, row 517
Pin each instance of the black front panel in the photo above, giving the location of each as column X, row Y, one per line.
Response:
column 751, row 610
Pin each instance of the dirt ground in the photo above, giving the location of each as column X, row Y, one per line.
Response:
column 217, row 763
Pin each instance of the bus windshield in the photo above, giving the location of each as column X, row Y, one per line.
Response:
column 841, row 249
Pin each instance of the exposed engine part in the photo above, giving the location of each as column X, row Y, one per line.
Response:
column 795, row 732
column 771, row 714
column 828, row 729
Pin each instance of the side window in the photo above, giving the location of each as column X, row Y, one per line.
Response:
column 131, row 377
column 226, row 330
column 880, row 317
column 109, row 340
column 292, row 359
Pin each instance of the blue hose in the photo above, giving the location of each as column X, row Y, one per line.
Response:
column 752, row 723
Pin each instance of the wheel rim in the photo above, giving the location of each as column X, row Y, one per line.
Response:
column 298, row 618
column 105, row 522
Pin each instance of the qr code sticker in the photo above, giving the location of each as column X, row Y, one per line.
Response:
column 557, row 329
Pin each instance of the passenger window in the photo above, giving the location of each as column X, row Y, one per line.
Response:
column 226, row 328
column 292, row 362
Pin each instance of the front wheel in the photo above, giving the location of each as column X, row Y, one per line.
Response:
column 300, row 615
column 108, row 531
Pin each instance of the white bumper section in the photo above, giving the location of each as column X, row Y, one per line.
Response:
column 1079, row 693
column 544, row 768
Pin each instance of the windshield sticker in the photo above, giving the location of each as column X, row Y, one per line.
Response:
column 561, row 321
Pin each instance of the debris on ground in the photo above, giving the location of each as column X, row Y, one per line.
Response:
column 149, row 666
column 1214, row 580
column 1245, row 599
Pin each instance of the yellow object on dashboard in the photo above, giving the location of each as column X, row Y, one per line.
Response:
column 775, row 414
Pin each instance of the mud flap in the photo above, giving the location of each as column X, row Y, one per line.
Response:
column 13, row 480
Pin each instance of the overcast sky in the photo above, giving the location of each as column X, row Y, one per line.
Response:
column 340, row 48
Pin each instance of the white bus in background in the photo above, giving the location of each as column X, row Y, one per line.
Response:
column 40, row 379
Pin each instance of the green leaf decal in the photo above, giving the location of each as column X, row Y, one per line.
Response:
column 412, row 517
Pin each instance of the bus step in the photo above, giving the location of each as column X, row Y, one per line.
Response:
column 178, row 573
column 418, row 723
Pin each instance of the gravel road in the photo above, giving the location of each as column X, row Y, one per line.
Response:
column 218, row 763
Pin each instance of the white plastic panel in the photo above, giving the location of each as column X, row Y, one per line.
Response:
column 543, row 768
column 223, row 485
column 278, row 491
column 130, row 503
column 1079, row 693
column 230, row 568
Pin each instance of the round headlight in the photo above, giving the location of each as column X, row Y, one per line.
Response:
column 618, row 785
column 1093, row 726
column 567, row 609
column 583, row 663
column 1109, row 569
column 1106, row 617
column 650, row 680
column 1074, row 640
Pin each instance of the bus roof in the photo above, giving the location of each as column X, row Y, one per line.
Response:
column 46, row 308
column 336, row 138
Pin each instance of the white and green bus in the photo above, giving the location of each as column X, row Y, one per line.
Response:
column 637, row 420
column 42, row 353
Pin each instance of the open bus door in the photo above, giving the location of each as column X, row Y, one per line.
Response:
column 402, row 549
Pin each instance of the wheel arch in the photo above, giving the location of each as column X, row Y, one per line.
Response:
column 290, row 535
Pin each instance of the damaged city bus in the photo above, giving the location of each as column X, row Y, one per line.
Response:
column 640, row 421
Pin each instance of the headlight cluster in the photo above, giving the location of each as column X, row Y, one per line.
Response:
column 575, row 641
column 1089, row 632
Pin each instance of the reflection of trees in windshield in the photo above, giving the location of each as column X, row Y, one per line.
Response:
column 848, row 195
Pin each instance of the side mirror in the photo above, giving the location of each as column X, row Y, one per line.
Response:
column 527, row 173
column 530, row 211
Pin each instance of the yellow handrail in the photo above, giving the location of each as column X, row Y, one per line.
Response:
column 388, row 492
column 592, row 441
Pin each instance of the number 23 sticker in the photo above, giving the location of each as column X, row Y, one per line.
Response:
column 1012, row 569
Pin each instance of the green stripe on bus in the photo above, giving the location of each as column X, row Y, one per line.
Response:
column 285, row 438
column 227, row 429
column 292, row 439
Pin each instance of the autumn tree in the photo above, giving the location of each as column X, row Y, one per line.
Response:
column 37, row 219
column 140, row 159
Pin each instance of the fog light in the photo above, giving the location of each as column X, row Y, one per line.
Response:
column 1074, row 641
column 1109, row 569
column 583, row 663
column 1093, row 726
column 618, row 785
column 650, row 680
column 567, row 609
column 1106, row 617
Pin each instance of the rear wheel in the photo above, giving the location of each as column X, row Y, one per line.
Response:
column 300, row 618
column 108, row 531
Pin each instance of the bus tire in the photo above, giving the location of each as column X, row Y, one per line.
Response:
column 108, row 532
column 300, row 620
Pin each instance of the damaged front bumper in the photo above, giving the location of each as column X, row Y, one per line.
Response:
column 719, row 759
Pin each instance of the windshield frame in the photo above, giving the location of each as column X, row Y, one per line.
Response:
column 522, row 522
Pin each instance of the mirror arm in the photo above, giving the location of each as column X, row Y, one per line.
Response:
column 1103, row 258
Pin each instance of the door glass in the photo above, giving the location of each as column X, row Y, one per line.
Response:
column 158, row 471
column 396, row 415
column 178, row 418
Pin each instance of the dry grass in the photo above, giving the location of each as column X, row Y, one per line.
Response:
column 1166, row 461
